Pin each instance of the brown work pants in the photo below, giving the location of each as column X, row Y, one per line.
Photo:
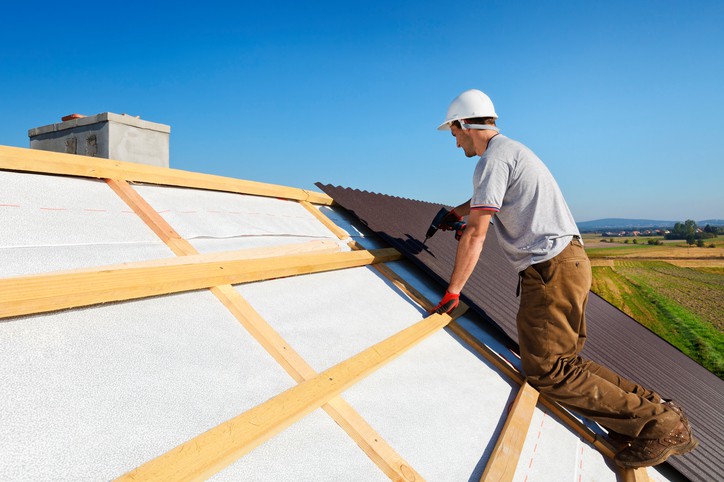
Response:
column 551, row 332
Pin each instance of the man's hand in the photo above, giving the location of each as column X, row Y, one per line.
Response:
column 450, row 220
column 453, row 222
column 448, row 303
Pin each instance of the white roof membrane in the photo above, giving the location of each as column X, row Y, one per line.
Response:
column 315, row 449
column 89, row 394
column 439, row 405
column 195, row 213
column 329, row 317
column 54, row 223
column 46, row 210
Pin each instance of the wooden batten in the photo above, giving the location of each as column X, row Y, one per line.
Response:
column 32, row 160
column 504, row 459
column 41, row 293
column 215, row 449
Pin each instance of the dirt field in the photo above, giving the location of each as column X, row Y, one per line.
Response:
column 670, row 250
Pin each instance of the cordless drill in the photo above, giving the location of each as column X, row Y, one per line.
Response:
column 447, row 221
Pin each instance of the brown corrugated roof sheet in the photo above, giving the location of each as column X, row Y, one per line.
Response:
column 614, row 339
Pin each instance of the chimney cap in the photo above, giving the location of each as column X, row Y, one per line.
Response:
column 71, row 117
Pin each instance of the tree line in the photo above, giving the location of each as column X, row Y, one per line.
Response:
column 689, row 231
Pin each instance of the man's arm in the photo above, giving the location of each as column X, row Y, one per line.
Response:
column 469, row 248
column 463, row 210
column 468, row 253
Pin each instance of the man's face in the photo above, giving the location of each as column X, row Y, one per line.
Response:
column 464, row 141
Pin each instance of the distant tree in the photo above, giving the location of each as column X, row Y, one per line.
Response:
column 635, row 241
column 685, row 230
column 699, row 243
column 690, row 239
column 625, row 241
column 690, row 226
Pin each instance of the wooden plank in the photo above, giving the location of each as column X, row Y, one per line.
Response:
column 376, row 448
column 634, row 475
column 322, row 218
column 504, row 459
column 213, row 450
column 33, row 160
column 42, row 293
column 640, row 475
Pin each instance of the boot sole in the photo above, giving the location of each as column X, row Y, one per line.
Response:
column 693, row 443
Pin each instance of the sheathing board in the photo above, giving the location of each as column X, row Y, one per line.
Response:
column 95, row 392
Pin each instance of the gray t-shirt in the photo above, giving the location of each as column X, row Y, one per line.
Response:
column 532, row 221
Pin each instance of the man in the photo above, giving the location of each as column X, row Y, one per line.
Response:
column 536, row 230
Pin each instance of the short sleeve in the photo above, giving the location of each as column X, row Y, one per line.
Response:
column 490, row 181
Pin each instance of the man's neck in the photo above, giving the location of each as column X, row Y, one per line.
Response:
column 481, row 140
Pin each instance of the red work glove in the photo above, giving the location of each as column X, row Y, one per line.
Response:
column 448, row 303
column 450, row 221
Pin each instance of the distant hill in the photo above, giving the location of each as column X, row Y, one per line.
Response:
column 712, row 222
column 623, row 224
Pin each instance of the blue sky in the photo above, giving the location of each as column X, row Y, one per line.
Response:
column 624, row 101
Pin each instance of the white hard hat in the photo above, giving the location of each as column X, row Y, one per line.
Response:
column 468, row 105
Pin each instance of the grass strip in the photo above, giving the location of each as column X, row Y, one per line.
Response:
column 629, row 289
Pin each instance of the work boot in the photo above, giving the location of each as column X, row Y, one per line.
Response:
column 679, row 410
column 647, row 452
column 619, row 440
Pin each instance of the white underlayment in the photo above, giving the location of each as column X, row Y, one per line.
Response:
column 330, row 317
column 91, row 393
column 39, row 214
column 315, row 449
column 219, row 215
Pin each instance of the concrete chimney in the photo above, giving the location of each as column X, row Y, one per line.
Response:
column 112, row 136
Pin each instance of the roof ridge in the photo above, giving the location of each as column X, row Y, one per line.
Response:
column 365, row 191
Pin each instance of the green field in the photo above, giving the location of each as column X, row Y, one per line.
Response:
column 685, row 306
